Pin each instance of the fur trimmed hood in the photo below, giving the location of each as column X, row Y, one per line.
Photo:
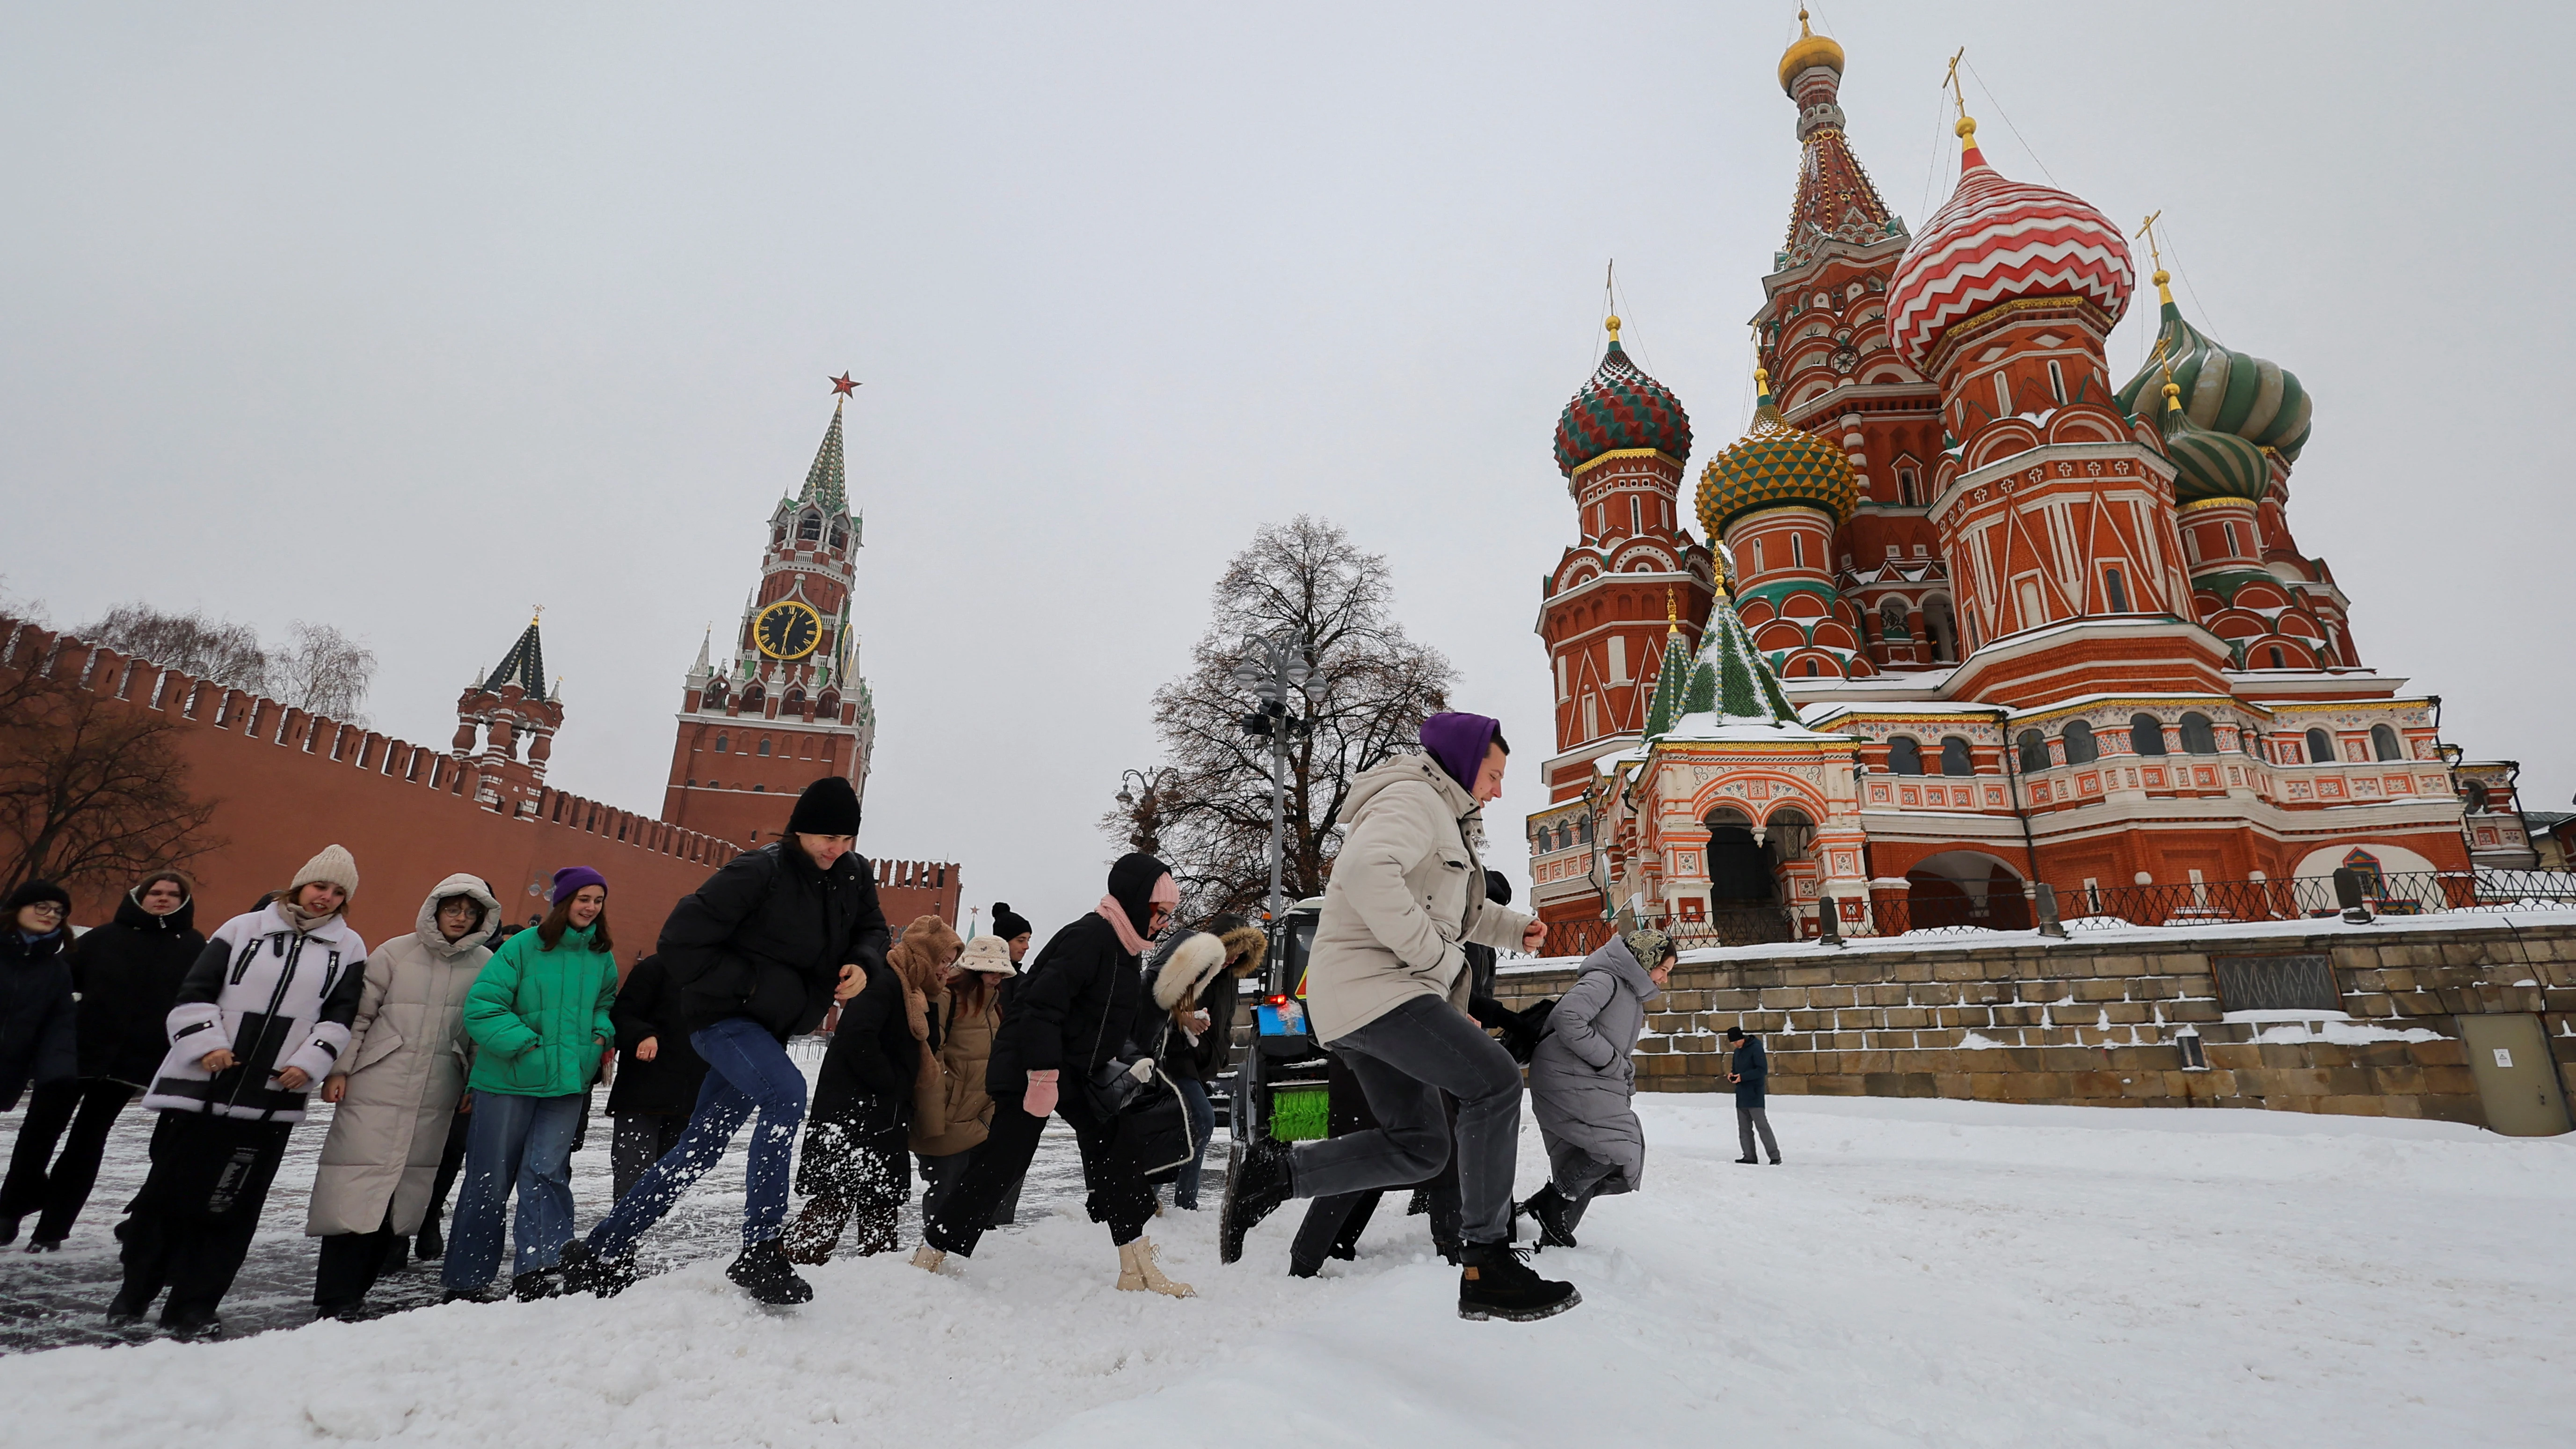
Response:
column 1191, row 963
column 1247, row 947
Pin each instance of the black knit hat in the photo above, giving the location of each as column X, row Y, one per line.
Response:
column 1010, row 924
column 828, row 807
column 39, row 890
column 1131, row 885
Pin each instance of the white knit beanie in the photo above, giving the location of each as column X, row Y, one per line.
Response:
column 333, row 866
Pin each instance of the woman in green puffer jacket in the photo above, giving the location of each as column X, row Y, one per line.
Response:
column 538, row 1015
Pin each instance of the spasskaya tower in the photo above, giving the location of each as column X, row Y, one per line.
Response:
column 784, row 703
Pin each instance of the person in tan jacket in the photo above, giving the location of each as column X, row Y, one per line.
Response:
column 953, row 1112
column 1387, row 988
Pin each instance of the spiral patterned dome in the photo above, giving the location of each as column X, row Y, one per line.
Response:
column 1997, row 241
column 1775, row 464
column 1620, row 408
column 2209, row 463
column 2230, row 391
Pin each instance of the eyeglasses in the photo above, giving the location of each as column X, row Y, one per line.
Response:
column 45, row 908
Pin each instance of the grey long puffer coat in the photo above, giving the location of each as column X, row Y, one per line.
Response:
column 1582, row 1076
column 406, row 1061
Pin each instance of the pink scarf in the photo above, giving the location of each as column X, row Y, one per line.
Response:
column 1167, row 892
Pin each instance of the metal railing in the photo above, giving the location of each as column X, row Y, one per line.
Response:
column 1957, row 915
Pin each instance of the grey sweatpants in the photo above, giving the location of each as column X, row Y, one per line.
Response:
column 1404, row 1060
column 1748, row 1120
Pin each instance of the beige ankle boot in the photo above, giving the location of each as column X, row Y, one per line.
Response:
column 1138, row 1273
column 927, row 1258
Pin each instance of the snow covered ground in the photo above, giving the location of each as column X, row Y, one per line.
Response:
column 1921, row 1272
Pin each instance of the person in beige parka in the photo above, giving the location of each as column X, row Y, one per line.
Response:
column 396, row 1087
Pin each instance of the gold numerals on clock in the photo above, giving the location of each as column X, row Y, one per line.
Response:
column 787, row 630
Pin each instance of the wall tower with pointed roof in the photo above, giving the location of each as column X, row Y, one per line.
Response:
column 505, row 725
column 784, row 702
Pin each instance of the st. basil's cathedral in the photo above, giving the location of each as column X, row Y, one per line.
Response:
column 1983, row 618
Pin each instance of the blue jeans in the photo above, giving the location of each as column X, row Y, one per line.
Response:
column 1194, row 1100
column 747, row 1072
column 513, row 1142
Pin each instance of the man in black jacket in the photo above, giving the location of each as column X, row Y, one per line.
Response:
column 756, row 955
column 1750, row 1071
column 658, row 1075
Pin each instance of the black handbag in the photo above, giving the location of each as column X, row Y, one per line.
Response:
column 1149, row 1128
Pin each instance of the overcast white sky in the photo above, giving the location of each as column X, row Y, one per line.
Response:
column 405, row 321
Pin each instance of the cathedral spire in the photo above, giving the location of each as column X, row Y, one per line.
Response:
column 1672, row 681
column 1732, row 680
column 827, row 482
column 1835, row 200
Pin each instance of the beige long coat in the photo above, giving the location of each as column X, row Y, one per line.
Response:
column 406, row 1069
column 1407, row 892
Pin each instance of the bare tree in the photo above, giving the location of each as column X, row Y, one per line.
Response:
column 1302, row 580
column 324, row 672
column 320, row 671
column 219, row 650
column 91, row 789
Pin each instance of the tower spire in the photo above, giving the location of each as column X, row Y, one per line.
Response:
column 524, row 665
column 1731, row 679
column 827, row 482
column 1970, row 158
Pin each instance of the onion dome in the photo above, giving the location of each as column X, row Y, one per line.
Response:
column 1997, row 241
column 2207, row 463
column 1808, row 51
column 1775, row 464
column 1620, row 409
column 2233, row 392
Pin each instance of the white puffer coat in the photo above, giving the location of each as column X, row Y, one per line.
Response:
column 406, row 1069
column 1406, row 891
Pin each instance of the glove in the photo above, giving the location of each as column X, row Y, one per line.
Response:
column 1039, row 1099
column 1142, row 1070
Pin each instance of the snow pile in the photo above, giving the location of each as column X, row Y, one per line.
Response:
column 1921, row 1272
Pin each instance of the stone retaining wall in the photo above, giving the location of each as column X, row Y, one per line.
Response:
column 2093, row 1021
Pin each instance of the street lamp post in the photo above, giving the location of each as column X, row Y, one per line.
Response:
column 1275, row 670
column 1140, row 794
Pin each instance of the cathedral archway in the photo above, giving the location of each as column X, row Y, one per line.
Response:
column 1965, row 888
column 1739, row 869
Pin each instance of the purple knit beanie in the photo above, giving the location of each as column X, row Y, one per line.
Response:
column 1459, row 742
column 570, row 880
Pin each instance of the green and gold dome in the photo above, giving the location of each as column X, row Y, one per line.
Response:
column 2231, row 392
column 2208, row 463
column 1772, row 465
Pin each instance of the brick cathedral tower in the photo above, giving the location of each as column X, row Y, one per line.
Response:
column 784, row 703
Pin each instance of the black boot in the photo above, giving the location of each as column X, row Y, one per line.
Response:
column 1493, row 1282
column 8, row 1230
column 1253, row 1191
column 1548, row 1206
column 429, row 1247
column 764, row 1272
column 537, row 1283
column 584, row 1271
column 397, row 1254
column 128, row 1307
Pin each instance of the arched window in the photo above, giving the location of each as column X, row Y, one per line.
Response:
column 1955, row 759
column 2320, row 748
column 2279, row 660
column 1810, row 671
column 809, row 529
column 840, row 537
column 2034, row 752
column 754, row 698
column 1583, row 830
column 760, row 789
column 2080, row 748
column 2365, row 865
column 1943, row 626
column 2475, row 794
column 715, row 695
column 2197, row 736
column 1904, row 756
column 829, row 706
column 720, row 742
column 794, row 703
column 1905, row 486
column 2146, row 736
column 764, row 744
column 2384, row 745
column 2115, row 591
column 1891, row 622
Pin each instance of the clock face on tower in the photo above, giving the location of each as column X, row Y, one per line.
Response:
column 787, row 630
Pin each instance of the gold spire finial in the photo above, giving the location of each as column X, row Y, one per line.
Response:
column 1803, row 31
column 535, row 612
column 1967, row 127
column 2162, row 278
column 1672, row 611
column 1613, row 325
column 2173, row 390
column 1762, row 379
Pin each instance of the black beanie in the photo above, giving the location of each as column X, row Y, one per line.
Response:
column 828, row 807
column 1131, row 885
column 45, row 890
column 1010, row 924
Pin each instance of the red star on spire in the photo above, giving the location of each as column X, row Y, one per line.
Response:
column 842, row 386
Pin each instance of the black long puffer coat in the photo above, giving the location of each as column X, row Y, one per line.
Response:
column 1075, row 1008
column 765, row 939
column 37, row 1044
column 127, row 973
column 646, row 1006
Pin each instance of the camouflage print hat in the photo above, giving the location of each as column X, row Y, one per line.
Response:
column 1648, row 945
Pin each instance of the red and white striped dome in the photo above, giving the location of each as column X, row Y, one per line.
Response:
column 1996, row 241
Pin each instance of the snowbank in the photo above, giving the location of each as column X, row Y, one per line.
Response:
column 1922, row 1272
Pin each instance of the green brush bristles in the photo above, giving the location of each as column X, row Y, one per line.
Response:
column 1300, row 1114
